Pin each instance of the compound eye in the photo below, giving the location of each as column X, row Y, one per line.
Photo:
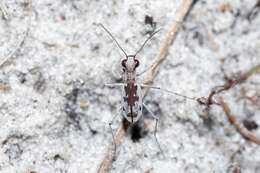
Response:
column 124, row 63
column 136, row 63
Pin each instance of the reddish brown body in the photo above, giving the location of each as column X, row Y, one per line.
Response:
column 131, row 90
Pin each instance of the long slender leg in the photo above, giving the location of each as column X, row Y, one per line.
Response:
column 156, row 124
column 110, row 126
column 170, row 92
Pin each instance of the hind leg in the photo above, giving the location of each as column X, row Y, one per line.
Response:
column 156, row 124
column 119, row 111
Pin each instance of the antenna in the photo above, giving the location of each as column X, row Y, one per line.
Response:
column 113, row 39
column 146, row 41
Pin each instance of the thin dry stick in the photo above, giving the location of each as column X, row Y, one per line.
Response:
column 170, row 37
column 240, row 128
column 250, row 72
column 179, row 16
column 228, row 85
column 21, row 42
column 4, row 10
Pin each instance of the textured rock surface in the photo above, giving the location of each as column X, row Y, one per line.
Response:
column 55, row 109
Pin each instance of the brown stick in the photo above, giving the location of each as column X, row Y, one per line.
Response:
column 170, row 37
column 228, row 85
column 21, row 42
column 240, row 128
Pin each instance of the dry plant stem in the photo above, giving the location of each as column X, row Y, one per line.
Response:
column 229, row 84
column 21, row 42
column 171, row 35
column 252, row 71
column 240, row 128
column 180, row 15
column 110, row 155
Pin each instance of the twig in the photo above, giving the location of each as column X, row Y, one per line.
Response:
column 170, row 37
column 21, row 42
column 4, row 10
column 228, row 85
column 240, row 128
column 252, row 71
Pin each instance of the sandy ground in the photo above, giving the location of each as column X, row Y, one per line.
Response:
column 55, row 109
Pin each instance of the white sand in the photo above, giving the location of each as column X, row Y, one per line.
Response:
column 66, row 49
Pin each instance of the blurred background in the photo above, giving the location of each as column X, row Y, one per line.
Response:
column 55, row 109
